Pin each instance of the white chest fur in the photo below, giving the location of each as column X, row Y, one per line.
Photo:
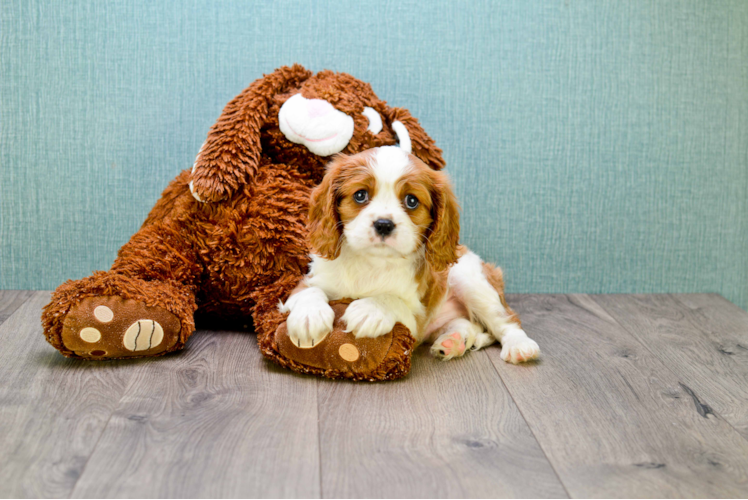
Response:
column 358, row 275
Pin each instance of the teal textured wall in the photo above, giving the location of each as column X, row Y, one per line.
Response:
column 595, row 146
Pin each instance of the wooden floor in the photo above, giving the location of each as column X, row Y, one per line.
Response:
column 634, row 396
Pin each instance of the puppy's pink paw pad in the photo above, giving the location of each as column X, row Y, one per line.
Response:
column 452, row 346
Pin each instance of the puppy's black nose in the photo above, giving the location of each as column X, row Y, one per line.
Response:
column 384, row 227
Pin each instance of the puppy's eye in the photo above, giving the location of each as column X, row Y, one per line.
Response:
column 411, row 202
column 361, row 196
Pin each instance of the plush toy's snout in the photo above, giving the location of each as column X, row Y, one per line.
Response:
column 316, row 124
column 323, row 130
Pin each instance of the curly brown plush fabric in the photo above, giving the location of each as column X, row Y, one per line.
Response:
column 243, row 247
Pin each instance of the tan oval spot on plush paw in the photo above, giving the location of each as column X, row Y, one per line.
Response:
column 143, row 335
column 348, row 352
column 90, row 335
column 103, row 314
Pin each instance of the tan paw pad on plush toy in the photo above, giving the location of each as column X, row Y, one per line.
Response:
column 341, row 353
column 114, row 327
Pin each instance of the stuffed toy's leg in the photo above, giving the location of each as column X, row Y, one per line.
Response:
column 339, row 354
column 109, row 315
column 143, row 306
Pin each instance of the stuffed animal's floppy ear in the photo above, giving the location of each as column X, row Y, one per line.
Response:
column 231, row 153
column 325, row 229
column 413, row 138
column 444, row 234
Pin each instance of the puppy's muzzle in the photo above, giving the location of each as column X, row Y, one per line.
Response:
column 384, row 227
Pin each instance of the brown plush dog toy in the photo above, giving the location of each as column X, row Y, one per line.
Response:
column 228, row 239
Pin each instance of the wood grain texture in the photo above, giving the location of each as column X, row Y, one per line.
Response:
column 10, row 300
column 702, row 338
column 215, row 421
column 641, row 410
column 449, row 429
column 52, row 409
column 613, row 420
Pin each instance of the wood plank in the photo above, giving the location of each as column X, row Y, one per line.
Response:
column 10, row 300
column 218, row 421
column 702, row 338
column 52, row 409
column 449, row 429
column 611, row 417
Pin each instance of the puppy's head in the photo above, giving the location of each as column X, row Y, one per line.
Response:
column 384, row 202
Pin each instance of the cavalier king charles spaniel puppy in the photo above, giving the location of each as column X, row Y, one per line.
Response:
column 384, row 230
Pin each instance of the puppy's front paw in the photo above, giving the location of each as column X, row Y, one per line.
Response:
column 367, row 318
column 518, row 348
column 308, row 324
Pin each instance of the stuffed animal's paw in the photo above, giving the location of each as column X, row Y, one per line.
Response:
column 113, row 327
column 367, row 318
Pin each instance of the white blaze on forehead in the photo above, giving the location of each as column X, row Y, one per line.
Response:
column 389, row 164
column 315, row 124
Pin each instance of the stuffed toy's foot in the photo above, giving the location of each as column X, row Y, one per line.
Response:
column 341, row 355
column 111, row 316
column 113, row 327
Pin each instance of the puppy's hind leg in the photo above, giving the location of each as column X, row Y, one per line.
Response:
column 459, row 336
column 481, row 288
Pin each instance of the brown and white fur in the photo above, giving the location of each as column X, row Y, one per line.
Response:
column 400, row 260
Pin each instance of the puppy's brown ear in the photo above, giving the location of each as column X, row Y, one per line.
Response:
column 231, row 153
column 325, row 228
column 444, row 234
column 422, row 145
